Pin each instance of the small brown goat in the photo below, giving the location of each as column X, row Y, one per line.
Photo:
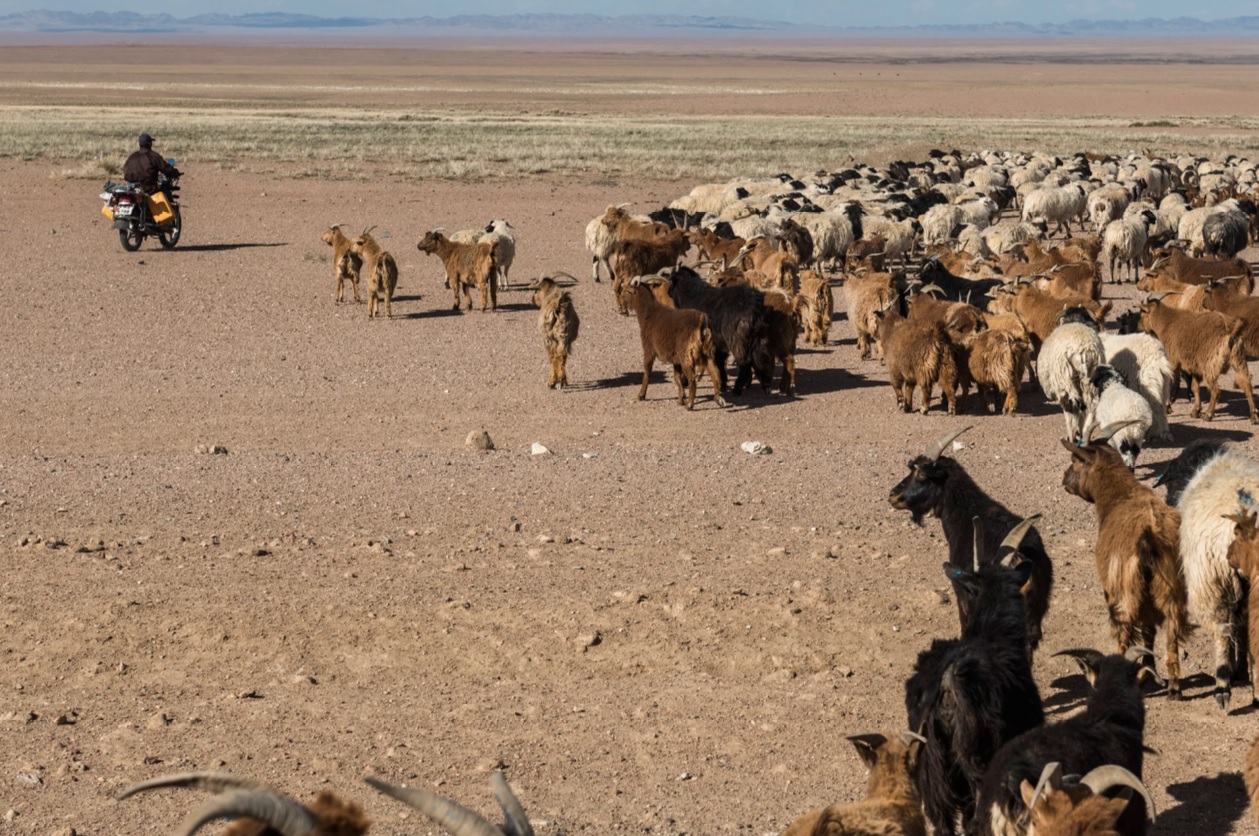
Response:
column 815, row 307
column 1175, row 293
column 1243, row 555
column 997, row 360
column 712, row 247
column 780, row 343
column 467, row 266
column 872, row 252
column 891, row 806
column 1203, row 345
column 680, row 337
column 259, row 810
column 638, row 257
column 1041, row 311
column 1176, row 264
column 382, row 273
column 345, row 262
column 558, row 324
column 1058, row 808
column 865, row 295
column 781, row 267
column 1137, row 552
column 917, row 354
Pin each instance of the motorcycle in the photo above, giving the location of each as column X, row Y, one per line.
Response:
column 137, row 215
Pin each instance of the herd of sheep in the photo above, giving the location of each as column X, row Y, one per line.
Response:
column 949, row 295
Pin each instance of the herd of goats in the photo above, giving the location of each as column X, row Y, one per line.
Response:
column 949, row 295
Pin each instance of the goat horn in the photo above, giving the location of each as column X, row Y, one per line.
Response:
column 1050, row 778
column 977, row 529
column 1137, row 652
column 935, row 450
column 1155, row 297
column 370, row 228
column 286, row 816
column 928, row 288
column 215, row 782
column 565, row 275
column 1014, row 539
column 1158, row 262
column 1105, row 433
column 513, row 810
column 909, row 738
column 458, row 820
column 623, row 205
column 1106, row 777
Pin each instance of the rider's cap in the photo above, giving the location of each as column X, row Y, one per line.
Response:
column 146, row 141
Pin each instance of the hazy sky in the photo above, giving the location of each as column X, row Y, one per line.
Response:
column 827, row 12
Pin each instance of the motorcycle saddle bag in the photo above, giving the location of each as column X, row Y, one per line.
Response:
column 160, row 208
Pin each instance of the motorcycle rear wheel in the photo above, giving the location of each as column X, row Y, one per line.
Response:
column 131, row 239
column 169, row 236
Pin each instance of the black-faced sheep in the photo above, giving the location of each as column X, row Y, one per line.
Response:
column 1141, row 360
column 1117, row 403
column 558, row 324
column 1068, row 357
column 260, row 810
column 345, row 262
column 1137, row 551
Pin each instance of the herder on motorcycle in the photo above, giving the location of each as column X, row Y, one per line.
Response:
column 148, row 203
column 142, row 166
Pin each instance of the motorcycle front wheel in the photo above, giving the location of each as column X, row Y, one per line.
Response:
column 169, row 236
column 131, row 238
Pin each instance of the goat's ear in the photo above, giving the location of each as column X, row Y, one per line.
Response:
column 1080, row 453
column 1028, row 792
column 867, row 746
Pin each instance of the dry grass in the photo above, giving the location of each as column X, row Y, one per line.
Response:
column 461, row 145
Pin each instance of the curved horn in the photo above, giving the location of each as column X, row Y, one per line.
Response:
column 513, row 810
column 930, row 288
column 1050, row 778
column 215, row 782
column 1136, row 653
column 1014, row 539
column 1159, row 295
column 283, row 814
column 565, row 275
column 1105, row 433
column 909, row 738
column 370, row 228
column 457, row 820
column 977, row 529
column 1106, row 777
column 1158, row 262
column 935, row 450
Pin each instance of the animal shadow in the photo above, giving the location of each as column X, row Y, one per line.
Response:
column 218, row 248
column 516, row 306
column 1208, row 806
column 832, row 379
column 1071, row 692
column 433, row 314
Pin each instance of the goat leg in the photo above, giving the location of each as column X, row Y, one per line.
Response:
column 1242, row 378
column 648, row 359
column 1223, row 635
column 680, row 379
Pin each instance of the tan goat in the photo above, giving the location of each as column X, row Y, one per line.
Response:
column 814, row 307
column 467, row 266
column 1058, row 808
column 382, row 273
column 345, row 262
column 865, row 295
column 558, row 324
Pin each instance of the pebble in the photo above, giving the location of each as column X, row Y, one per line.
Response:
column 778, row 551
column 545, row 538
column 28, row 778
column 479, row 440
column 590, row 639
column 756, row 448
column 539, row 449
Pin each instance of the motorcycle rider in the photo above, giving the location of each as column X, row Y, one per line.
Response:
column 143, row 166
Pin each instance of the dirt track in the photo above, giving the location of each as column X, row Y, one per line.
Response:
column 676, row 639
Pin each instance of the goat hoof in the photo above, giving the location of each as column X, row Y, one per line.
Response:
column 1222, row 698
column 721, row 401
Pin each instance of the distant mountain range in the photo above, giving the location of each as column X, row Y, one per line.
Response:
column 619, row 26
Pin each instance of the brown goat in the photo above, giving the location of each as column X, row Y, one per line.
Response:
column 1040, row 311
column 467, row 266
column 624, row 227
column 259, row 810
column 891, row 806
column 996, row 360
column 866, row 294
column 868, row 251
column 558, row 324
column 1137, row 551
column 780, row 341
column 917, row 354
column 345, row 262
column 382, row 273
column 680, row 337
column 781, row 267
column 1175, row 293
column 1176, row 264
column 640, row 257
column 712, row 247
column 1252, row 778
column 1203, row 345
column 814, row 307
column 1081, row 809
column 961, row 321
column 1246, row 308
column 1243, row 555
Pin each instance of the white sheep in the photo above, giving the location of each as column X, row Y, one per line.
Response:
column 899, row 235
column 1068, row 358
column 1124, row 240
column 601, row 241
column 1215, row 588
column 1141, row 360
column 980, row 212
column 1006, row 236
column 1055, row 206
column 831, row 230
column 1115, row 404
column 939, row 222
column 502, row 236
column 1107, row 204
column 1191, row 223
column 971, row 239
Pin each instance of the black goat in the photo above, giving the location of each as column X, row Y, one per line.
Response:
column 937, row 485
column 968, row 696
column 1182, row 468
column 1110, row 730
column 735, row 313
column 957, row 289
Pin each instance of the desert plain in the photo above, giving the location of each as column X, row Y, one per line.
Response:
column 649, row 629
